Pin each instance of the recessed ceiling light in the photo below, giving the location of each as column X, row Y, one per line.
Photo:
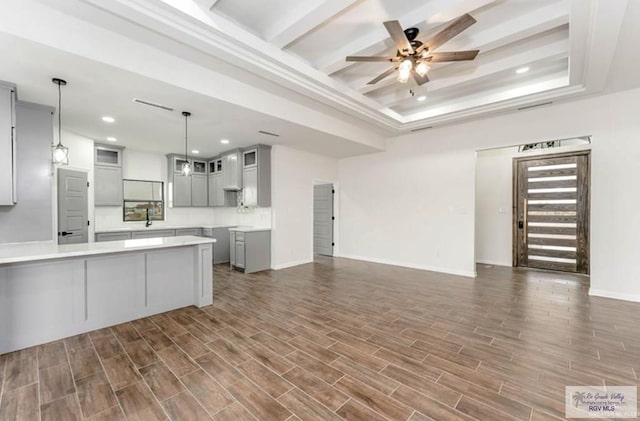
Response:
column 522, row 70
column 421, row 98
column 225, row 141
column 108, row 119
column 195, row 152
column 111, row 139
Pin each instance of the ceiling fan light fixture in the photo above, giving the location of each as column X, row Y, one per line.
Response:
column 406, row 65
column 422, row 68
column 404, row 70
column 403, row 76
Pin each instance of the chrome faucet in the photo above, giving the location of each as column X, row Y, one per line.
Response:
column 148, row 224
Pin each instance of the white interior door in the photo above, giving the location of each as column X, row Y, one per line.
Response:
column 323, row 219
column 72, row 207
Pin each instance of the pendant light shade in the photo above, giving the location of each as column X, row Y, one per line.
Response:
column 186, row 167
column 59, row 152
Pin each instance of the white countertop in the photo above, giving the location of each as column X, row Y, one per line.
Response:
column 30, row 252
column 249, row 229
column 141, row 227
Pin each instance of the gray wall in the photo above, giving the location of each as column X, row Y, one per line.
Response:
column 31, row 219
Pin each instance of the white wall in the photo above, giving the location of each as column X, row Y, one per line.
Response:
column 293, row 175
column 494, row 191
column 413, row 204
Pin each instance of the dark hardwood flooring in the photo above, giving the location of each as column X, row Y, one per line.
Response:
column 339, row 339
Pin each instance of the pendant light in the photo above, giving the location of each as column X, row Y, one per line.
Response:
column 186, row 167
column 59, row 152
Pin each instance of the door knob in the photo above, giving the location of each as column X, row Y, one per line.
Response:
column 64, row 233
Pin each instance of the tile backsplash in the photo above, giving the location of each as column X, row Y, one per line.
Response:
column 110, row 217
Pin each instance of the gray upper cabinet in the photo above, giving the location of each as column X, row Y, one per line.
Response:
column 108, row 175
column 179, row 188
column 256, row 176
column 8, row 164
column 232, row 171
column 187, row 190
column 108, row 186
column 216, row 192
column 199, row 190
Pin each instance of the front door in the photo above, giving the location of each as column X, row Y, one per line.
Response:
column 551, row 212
column 323, row 219
column 72, row 207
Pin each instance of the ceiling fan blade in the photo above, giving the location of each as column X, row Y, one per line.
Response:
column 382, row 76
column 451, row 30
column 372, row 58
column 397, row 34
column 453, row 56
column 420, row 80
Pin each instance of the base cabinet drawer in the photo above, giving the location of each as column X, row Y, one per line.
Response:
column 153, row 234
column 189, row 231
column 113, row 236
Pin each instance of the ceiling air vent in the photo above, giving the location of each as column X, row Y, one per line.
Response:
column 268, row 133
column 151, row 104
column 422, row 128
column 527, row 107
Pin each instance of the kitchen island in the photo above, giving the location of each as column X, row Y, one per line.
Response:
column 50, row 291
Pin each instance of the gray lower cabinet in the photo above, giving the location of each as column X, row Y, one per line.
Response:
column 156, row 233
column 152, row 234
column 108, row 186
column 113, row 236
column 189, row 231
column 250, row 251
column 221, row 252
column 239, row 254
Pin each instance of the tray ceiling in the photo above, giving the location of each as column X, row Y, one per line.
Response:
column 567, row 45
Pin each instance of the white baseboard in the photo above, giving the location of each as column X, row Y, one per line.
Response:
column 489, row 262
column 291, row 264
column 467, row 274
column 615, row 295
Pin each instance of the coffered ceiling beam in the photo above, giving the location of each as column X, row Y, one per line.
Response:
column 542, row 53
column 499, row 36
column 433, row 12
column 298, row 22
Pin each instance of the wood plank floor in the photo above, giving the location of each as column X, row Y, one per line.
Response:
column 339, row 339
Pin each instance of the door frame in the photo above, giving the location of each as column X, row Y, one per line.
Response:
column 336, row 203
column 514, row 200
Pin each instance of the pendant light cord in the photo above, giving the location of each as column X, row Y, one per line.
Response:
column 59, row 114
column 186, row 139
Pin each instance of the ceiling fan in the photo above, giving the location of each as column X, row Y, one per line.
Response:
column 413, row 56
